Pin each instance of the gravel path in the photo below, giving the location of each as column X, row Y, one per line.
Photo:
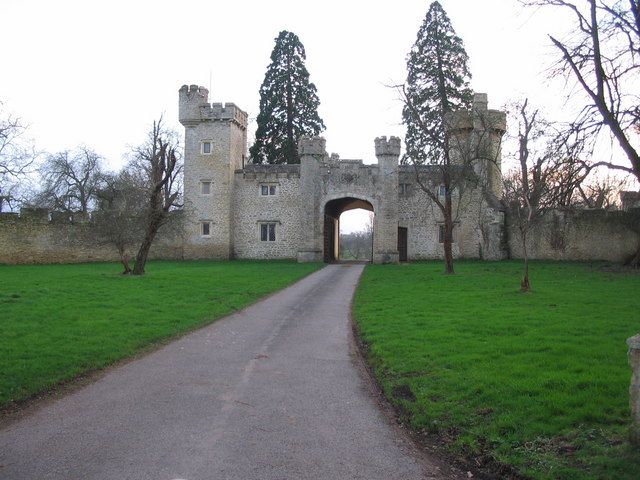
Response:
column 271, row 392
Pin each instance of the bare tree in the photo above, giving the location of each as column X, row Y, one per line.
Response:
column 548, row 175
column 16, row 157
column 71, row 180
column 119, row 217
column 602, row 54
column 158, row 162
column 602, row 192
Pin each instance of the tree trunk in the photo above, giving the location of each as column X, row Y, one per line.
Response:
column 525, row 286
column 292, row 149
column 143, row 252
column 448, row 231
column 124, row 260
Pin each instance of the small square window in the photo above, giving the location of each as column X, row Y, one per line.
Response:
column 206, row 148
column 405, row 188
column 267, row 190
column 268, row 232
column 205, row 229
column 205, row 187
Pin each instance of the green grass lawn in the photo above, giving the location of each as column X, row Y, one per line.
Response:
column 59, row 321
column 535, row 381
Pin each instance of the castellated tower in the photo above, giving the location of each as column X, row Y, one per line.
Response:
column 215, row 142
column 477, row 135
column 385, row 246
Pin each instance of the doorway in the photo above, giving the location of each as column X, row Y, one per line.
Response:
column 350, row 243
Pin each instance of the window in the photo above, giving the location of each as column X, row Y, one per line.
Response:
column 441, row 234
column 442, row 190
column 268, row 232
column 206, row 147
column 205, row 229
column 205, row 187
column 405, row 188
column 267, row 190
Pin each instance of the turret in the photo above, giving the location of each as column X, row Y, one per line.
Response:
column 476, row 136
column 191, row 98
column 215, row 146
column 194, row 108
column 385, row 241
column 312, row 146
column 387, row 152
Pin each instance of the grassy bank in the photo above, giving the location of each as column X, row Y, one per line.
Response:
column 538, row 381
column 59, row 321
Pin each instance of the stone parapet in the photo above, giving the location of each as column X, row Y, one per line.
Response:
column 390, row 147
column 194, row 107
column 312, row 146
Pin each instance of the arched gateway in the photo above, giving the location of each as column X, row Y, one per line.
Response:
column 240, row 210
column 332, row 211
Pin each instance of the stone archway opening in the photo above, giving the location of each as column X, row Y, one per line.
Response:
column 332, row 248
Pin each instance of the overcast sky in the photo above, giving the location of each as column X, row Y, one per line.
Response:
column 98, row 73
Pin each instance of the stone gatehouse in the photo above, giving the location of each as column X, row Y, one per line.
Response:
column 241, row 210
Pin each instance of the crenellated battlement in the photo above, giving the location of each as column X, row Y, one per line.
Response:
column 194, row 107
column 480, row 117
column 390, row 147
column 226, row 111
column 312, row 146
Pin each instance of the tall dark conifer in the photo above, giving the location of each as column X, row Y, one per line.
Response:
column 288, row 104
column 437, row 85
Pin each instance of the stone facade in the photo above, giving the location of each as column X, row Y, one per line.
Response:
column 240, row 210
column 578, row 235
column 40, row 236
column 292, row 211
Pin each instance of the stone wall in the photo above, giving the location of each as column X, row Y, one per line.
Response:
column 251, row 209
column 577, row 235
column 478, row 229
column 33, row 237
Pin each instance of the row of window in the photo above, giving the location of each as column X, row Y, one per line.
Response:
column 268, row 231
column 265, row 190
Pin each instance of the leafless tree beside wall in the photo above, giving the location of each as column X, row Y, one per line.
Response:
column 17, row 156
column 119, row 217
column 547, row 176
column 157, row 161
column 71, row 179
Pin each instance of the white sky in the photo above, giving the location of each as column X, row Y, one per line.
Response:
column 98, row 73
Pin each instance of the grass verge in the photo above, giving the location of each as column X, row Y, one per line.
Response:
column 60, row 321
column 537, row 383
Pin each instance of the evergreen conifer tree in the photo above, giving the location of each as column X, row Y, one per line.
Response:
column 437, row 85
column 288, row 104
